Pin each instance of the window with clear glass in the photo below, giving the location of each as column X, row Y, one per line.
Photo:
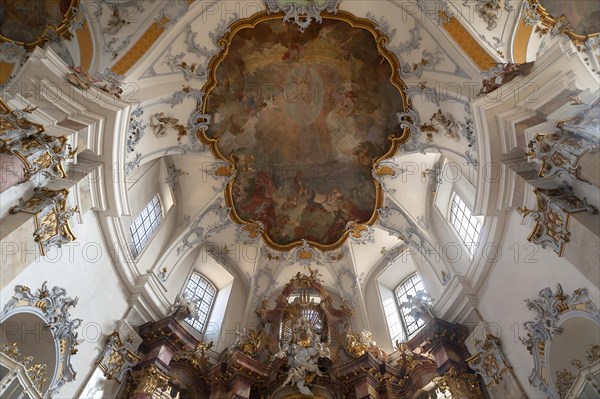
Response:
column 466, row 225
column 406, row 290
column 394, row 324
column 202, row 292
column 145, row 225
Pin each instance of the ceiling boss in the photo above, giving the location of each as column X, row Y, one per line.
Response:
column 303, row 118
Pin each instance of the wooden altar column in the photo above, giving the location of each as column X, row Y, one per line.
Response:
column 445, row 341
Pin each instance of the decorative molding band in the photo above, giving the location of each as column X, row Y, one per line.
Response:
column 142, row 45
column 302, row 13
column 467, row 42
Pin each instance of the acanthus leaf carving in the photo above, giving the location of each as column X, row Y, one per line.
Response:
column 51, row 217
column 302, row 13
column 120, row 354
column 551, row 219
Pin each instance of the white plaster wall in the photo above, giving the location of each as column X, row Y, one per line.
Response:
column 143, row 186
column 85, row 269
column 234, row 315
column 521, row 271
column 381, row 288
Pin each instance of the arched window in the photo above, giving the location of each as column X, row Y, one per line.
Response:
column 466, row 225
column 405, row 290
column 145, row 225
column 202, row 292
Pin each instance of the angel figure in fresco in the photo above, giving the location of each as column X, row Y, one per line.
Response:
column 305, row 88
column 347, row 47
column 253, row 105
column 263, row 192
column 293, row 54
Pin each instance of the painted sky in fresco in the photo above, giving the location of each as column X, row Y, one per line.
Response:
column 303, row 116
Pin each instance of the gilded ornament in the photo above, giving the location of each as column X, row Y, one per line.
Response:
column 360, row 343
column 51, row 217
column 489, row 362
column 55, row 313
column 459, row 384
column 248, row 341
column 36, row 372
column 410, row 360
column 546, row 325
column 302, row 280
column 148, row 381
column 552, row 217
column 559, row 153
column 564, row 381
column 119, row 355
column 558, row 24
column 593, row 354
column 197, row 357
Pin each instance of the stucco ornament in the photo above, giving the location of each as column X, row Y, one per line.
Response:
column 217, row 217
column 357, row 344
column 53, row 306
column 120, row 354
column 302, row 12
column 51, row 217
column 303, row 350
column 489, row 362
column 184, row 306
column 420, row 306
column 551, row 310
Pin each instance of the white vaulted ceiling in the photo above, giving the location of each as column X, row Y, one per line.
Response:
column 167, row 82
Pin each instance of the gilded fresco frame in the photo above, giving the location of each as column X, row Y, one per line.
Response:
column 225, row 42
column 62, row 30
column 549, row 21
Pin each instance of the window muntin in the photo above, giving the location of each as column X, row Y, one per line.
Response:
column 394, row 324
column 202, row 292
column 145, row 225
column 466, row 225
column 409, row 286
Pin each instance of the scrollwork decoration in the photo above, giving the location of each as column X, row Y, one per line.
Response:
column 551, row 310
column 53, row 306
column 302, row 13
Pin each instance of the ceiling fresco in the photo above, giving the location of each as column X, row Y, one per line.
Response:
column 583, row 16
column 302, row 118
column 27, row 21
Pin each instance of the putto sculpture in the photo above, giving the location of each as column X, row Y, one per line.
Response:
column 302, row 351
